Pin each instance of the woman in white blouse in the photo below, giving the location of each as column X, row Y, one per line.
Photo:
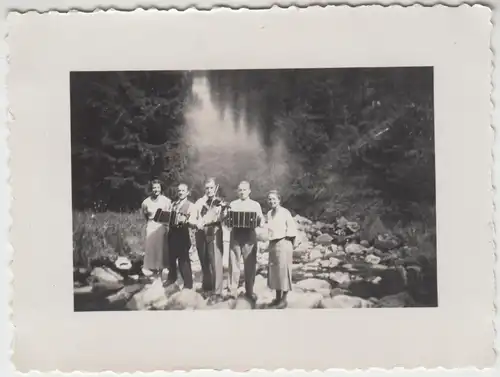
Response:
column 282, row 232
column 156, row 247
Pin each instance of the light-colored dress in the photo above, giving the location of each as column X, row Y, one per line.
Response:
column 281, row 226
column 156, row 245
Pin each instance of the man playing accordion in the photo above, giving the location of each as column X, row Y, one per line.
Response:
column 243, row 217
column 179, row 237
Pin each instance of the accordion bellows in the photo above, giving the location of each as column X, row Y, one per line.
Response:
column 240, row 219
column 166, row 217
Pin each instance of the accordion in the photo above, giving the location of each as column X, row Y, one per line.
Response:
column 237, row 219
column 168, row 217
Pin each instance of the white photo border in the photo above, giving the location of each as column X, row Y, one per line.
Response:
column 48, row 331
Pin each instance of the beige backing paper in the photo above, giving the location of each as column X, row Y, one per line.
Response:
column 44, row 48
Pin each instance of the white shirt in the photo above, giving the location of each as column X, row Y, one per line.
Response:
column 150, row 206
column 213, row 214
column 248, row 205
column 280, row 224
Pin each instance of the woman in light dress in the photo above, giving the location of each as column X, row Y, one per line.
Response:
column 282, row 233
column 156, row 245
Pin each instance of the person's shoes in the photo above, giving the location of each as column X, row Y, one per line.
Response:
column 281, row 305
column 215, row 299
column 274, row 303
column 206, row 295
column 252, row 297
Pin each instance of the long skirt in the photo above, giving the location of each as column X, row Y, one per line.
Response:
column 279, row 275
column 156, row 246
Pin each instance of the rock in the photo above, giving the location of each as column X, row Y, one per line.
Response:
column 186, row 299
column 263, row 245
column 353, row 226
column 399, row 300
column 342, row 222
column 263, row 259
column 104, row 279
column 373, row 259
column 337, row 291
column 152, row 296
column 334, row 251
column 313, row 285
column 223, row 305
column 85, row 290
column 344, row 302
column 354, row 248
column 324, row 239
column 323, row 275
column 301, row 238
column 196, row 266
column 315, row 253
column 106, row 274
column 242, row 303
column 302, row 220
column 324, row 263
column 333, row 262
column 365, row 243
column 386, row 242
column 379, row 267
column 121, row 297
column 304, row 300
column 264, row 298
column 340, row 277
column 319, row 225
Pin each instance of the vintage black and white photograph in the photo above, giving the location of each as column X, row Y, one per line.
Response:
column 253, row 189
column 206, row 176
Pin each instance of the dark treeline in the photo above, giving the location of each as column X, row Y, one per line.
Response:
column 361, row 140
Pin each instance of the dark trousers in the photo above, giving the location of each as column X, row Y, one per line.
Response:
column 179, row 243
column 209, row 245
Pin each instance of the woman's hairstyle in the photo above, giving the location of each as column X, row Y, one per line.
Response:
column 154, row 182
column 275, row 193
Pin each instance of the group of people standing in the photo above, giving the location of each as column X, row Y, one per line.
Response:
column 201, row 223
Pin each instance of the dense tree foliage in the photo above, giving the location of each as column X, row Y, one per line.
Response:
column 357, row 142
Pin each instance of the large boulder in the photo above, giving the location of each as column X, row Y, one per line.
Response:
column 186, row 299
column 304, row 300
column 105, row 279
column 324, row 239
column 120, row 298
column 314, row 285
column 316, row 253
column 340, row 277
column 386, row 242
column 345, row 302
column 354, row 248
column 223, row 305
column 152, row 296
column 372, row 259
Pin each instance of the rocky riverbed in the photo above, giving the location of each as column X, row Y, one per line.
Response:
column 335, row 266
